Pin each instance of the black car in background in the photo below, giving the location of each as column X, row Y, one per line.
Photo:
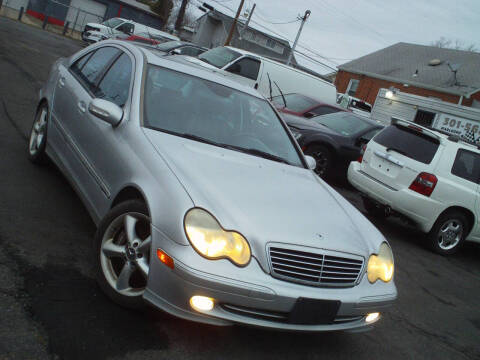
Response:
column 334, row 140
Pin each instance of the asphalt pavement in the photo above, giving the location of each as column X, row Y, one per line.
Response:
column 51, row 307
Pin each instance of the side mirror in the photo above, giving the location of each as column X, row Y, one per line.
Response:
column 309, row 115
column 311, row 163
column 361, row 141
column 106, row 111
column 176, row 52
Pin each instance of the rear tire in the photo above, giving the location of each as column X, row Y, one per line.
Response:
column 323, row 157
column 122, row 252
column 38, row 136
column 448, row 233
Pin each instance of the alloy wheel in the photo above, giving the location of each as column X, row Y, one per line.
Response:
column 125, row 253
column 37, row 135
column 322, row 163
column 450, row 234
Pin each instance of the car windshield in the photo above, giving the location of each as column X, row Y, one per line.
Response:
column 295, row 102
column 219, row 56
column 113, row 22
column 169, row 45
column 205, row 111
column 343, row 123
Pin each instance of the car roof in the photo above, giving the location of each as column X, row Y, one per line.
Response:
column 179, row 63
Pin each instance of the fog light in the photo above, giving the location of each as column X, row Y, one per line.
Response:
column 372, row 317
column 201, row 303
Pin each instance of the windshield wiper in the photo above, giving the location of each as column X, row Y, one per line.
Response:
column 396, row 150
column 260, row 153
column 250, row 151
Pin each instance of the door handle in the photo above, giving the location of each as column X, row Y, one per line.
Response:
column 81, row 106
column 61, row 82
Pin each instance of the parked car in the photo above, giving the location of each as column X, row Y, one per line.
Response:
column 302, row 105
column 268, row 76
column 191, row 178
column 111, row 28
column 354, row 104
column 426, row 176
column 333, row 140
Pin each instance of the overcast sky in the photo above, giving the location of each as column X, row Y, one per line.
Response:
column 341, row 30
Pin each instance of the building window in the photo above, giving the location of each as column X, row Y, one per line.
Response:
column 352, row 87
column 271, row 43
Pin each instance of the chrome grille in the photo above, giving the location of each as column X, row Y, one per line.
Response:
column 318, row 269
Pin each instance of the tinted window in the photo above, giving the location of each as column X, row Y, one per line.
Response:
column 295, row 102
column 219, row 56
column 246, row 67
column 115, row 85
column 78, row 65
column 323, row 110
column 93, row 68
column 408, row 142
column 343, row 123
column 182, row 104
column 467, row 165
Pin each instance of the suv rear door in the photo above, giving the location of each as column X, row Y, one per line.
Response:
column 396, row 155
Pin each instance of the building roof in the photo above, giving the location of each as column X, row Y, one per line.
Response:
column 409, row 64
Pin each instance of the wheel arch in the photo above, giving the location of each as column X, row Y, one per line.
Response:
column 130, row 192
column 468, row 214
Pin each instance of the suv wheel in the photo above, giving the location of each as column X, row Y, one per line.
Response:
column 38, row 136
column 122, row 251
column 448, row 232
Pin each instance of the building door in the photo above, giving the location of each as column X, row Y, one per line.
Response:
column 424, row 118
column 82, row 12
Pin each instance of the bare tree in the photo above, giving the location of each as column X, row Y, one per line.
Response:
column 188, row 17
column 163, row 8
column 456, row 44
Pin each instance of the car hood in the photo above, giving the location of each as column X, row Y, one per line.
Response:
column 98, row 26
column 264, row 200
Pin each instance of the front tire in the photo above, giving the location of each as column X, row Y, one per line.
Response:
column 38, row 136
column 122, row 251
column 448, row 233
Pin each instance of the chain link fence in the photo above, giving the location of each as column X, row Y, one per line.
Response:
column 52, row 15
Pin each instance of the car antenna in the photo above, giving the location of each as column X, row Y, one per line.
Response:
column 270, row 86
column 281, row 93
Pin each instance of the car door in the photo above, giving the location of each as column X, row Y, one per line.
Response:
column 76, row 85
column 101, row 139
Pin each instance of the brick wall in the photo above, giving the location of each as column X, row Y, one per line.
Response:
column 368, row 89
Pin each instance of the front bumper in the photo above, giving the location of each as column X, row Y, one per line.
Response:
column 249, row 295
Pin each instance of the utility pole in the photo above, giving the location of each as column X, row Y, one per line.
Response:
column 248, row 21
column 232, row 29
column 304, row 19
column 181, row 15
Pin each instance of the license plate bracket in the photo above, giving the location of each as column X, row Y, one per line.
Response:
column 314, row 311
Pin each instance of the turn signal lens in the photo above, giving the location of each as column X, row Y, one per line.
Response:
column 372, row 317
column 380, row 266
column 209, row 239
column 164, row 258
column 201, row 303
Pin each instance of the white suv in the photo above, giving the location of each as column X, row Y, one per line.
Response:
column 426, row 176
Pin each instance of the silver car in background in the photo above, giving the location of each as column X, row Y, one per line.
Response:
column 205, row 205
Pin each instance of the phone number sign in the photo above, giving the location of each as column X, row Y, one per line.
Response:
column 457, row 126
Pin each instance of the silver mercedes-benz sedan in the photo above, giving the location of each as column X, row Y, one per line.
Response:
column 205, row 205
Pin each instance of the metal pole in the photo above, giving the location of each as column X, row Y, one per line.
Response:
column 248, row 21
column 65, row 28
column 20, row 14
column 304, row 19
column 234, row 23
column 1, row 4
column 75, row 22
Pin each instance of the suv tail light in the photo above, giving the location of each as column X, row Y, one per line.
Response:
column 424, row 184
column 362, row 151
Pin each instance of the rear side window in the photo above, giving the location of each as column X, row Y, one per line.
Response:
column 246, row 67
column 408, row 142
column 91, row 71
column 115, row 85
column 467, row 165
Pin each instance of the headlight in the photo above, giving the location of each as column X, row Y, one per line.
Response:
column 209, row 239
column 380, row 266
